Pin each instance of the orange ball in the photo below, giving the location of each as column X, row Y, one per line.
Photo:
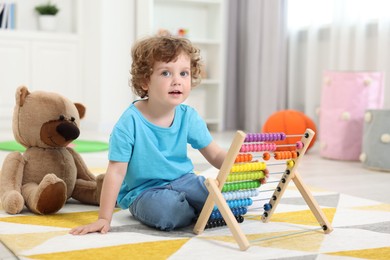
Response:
column 289, row 122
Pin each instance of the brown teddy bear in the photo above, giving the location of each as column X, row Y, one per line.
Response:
column 48, row 173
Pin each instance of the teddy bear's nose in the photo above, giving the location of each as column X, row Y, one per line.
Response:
column 68, row 131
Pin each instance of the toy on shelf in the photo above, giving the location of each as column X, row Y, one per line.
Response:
column 163, row 32
column 244, row 171
column 182, row 32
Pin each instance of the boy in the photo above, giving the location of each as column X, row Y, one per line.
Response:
column 149, row 171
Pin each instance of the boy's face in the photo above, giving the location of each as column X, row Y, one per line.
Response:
column 170, row 83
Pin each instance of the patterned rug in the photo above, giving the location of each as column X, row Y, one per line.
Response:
column 361, row 230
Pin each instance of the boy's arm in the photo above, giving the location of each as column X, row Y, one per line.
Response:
column 214, row 154
column 113, row 179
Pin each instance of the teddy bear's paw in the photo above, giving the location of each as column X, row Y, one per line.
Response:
column 51, row 195
column 12, row 202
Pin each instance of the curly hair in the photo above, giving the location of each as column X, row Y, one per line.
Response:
column 146, row 52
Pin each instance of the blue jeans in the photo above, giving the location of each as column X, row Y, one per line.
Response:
column 172, row 206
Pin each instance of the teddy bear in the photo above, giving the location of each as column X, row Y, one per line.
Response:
column 49, row 172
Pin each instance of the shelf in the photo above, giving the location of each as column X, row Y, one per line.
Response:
column 50, row 61
column 205, row 41
column 37, row 35
column 193, row 2
column 68, row 17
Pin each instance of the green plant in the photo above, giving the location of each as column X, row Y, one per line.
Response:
column 47, row 9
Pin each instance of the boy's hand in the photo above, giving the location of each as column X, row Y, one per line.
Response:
column 101, row 225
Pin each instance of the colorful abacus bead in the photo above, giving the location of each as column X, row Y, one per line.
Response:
column 243, row 157
column 285, row 155
column 264, row 137
column 246, row 167
column 290, row 163
column 216, row 214
column 239, row 203
column 267, row 206
column 258, row 147
column 234, row 195
column 245, row 185
column 294, row 154
column 299, row 145
column 215, row 223
column 245, row 176
column 239, row 219
column 221, row 222
column 239, row 211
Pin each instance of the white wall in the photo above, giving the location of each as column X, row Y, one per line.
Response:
column 107, row 34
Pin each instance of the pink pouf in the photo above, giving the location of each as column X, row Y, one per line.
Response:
column 345, row 98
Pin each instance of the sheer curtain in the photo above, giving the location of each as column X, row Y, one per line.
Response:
column 256, row 62
column 278, row 50
column 351, row 35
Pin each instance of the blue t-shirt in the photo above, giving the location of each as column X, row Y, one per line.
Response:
column 155, row 155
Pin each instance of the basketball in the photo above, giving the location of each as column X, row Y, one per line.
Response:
column 290, row 122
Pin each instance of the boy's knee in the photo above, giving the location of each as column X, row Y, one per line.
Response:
column 175, row 206
column 164, row 209
column 175, row 212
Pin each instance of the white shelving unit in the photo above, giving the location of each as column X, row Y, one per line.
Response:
column 204, row 22
column 86, row 58
column 41, row 60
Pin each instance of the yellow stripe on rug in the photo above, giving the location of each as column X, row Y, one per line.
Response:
column 303, row 217
column 26, row 241
column 379, row 207
column 381, row 253
column 302, row 240
column 64, row 220
column 308, row 241
column 147, row 250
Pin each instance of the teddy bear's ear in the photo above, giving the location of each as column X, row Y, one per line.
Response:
column 81, row 108
column 21, row 94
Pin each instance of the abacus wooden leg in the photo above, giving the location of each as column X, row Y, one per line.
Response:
column 227, row 214
column 204, row 215
column 221, row 178
column 312, row 203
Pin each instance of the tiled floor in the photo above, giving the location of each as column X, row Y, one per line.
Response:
column 340, row 176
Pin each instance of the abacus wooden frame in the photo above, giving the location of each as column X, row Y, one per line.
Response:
column 215, row 186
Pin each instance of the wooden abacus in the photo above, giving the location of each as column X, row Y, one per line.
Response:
column 236, row 168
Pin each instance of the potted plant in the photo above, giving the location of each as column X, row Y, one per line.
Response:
column 47, row 19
